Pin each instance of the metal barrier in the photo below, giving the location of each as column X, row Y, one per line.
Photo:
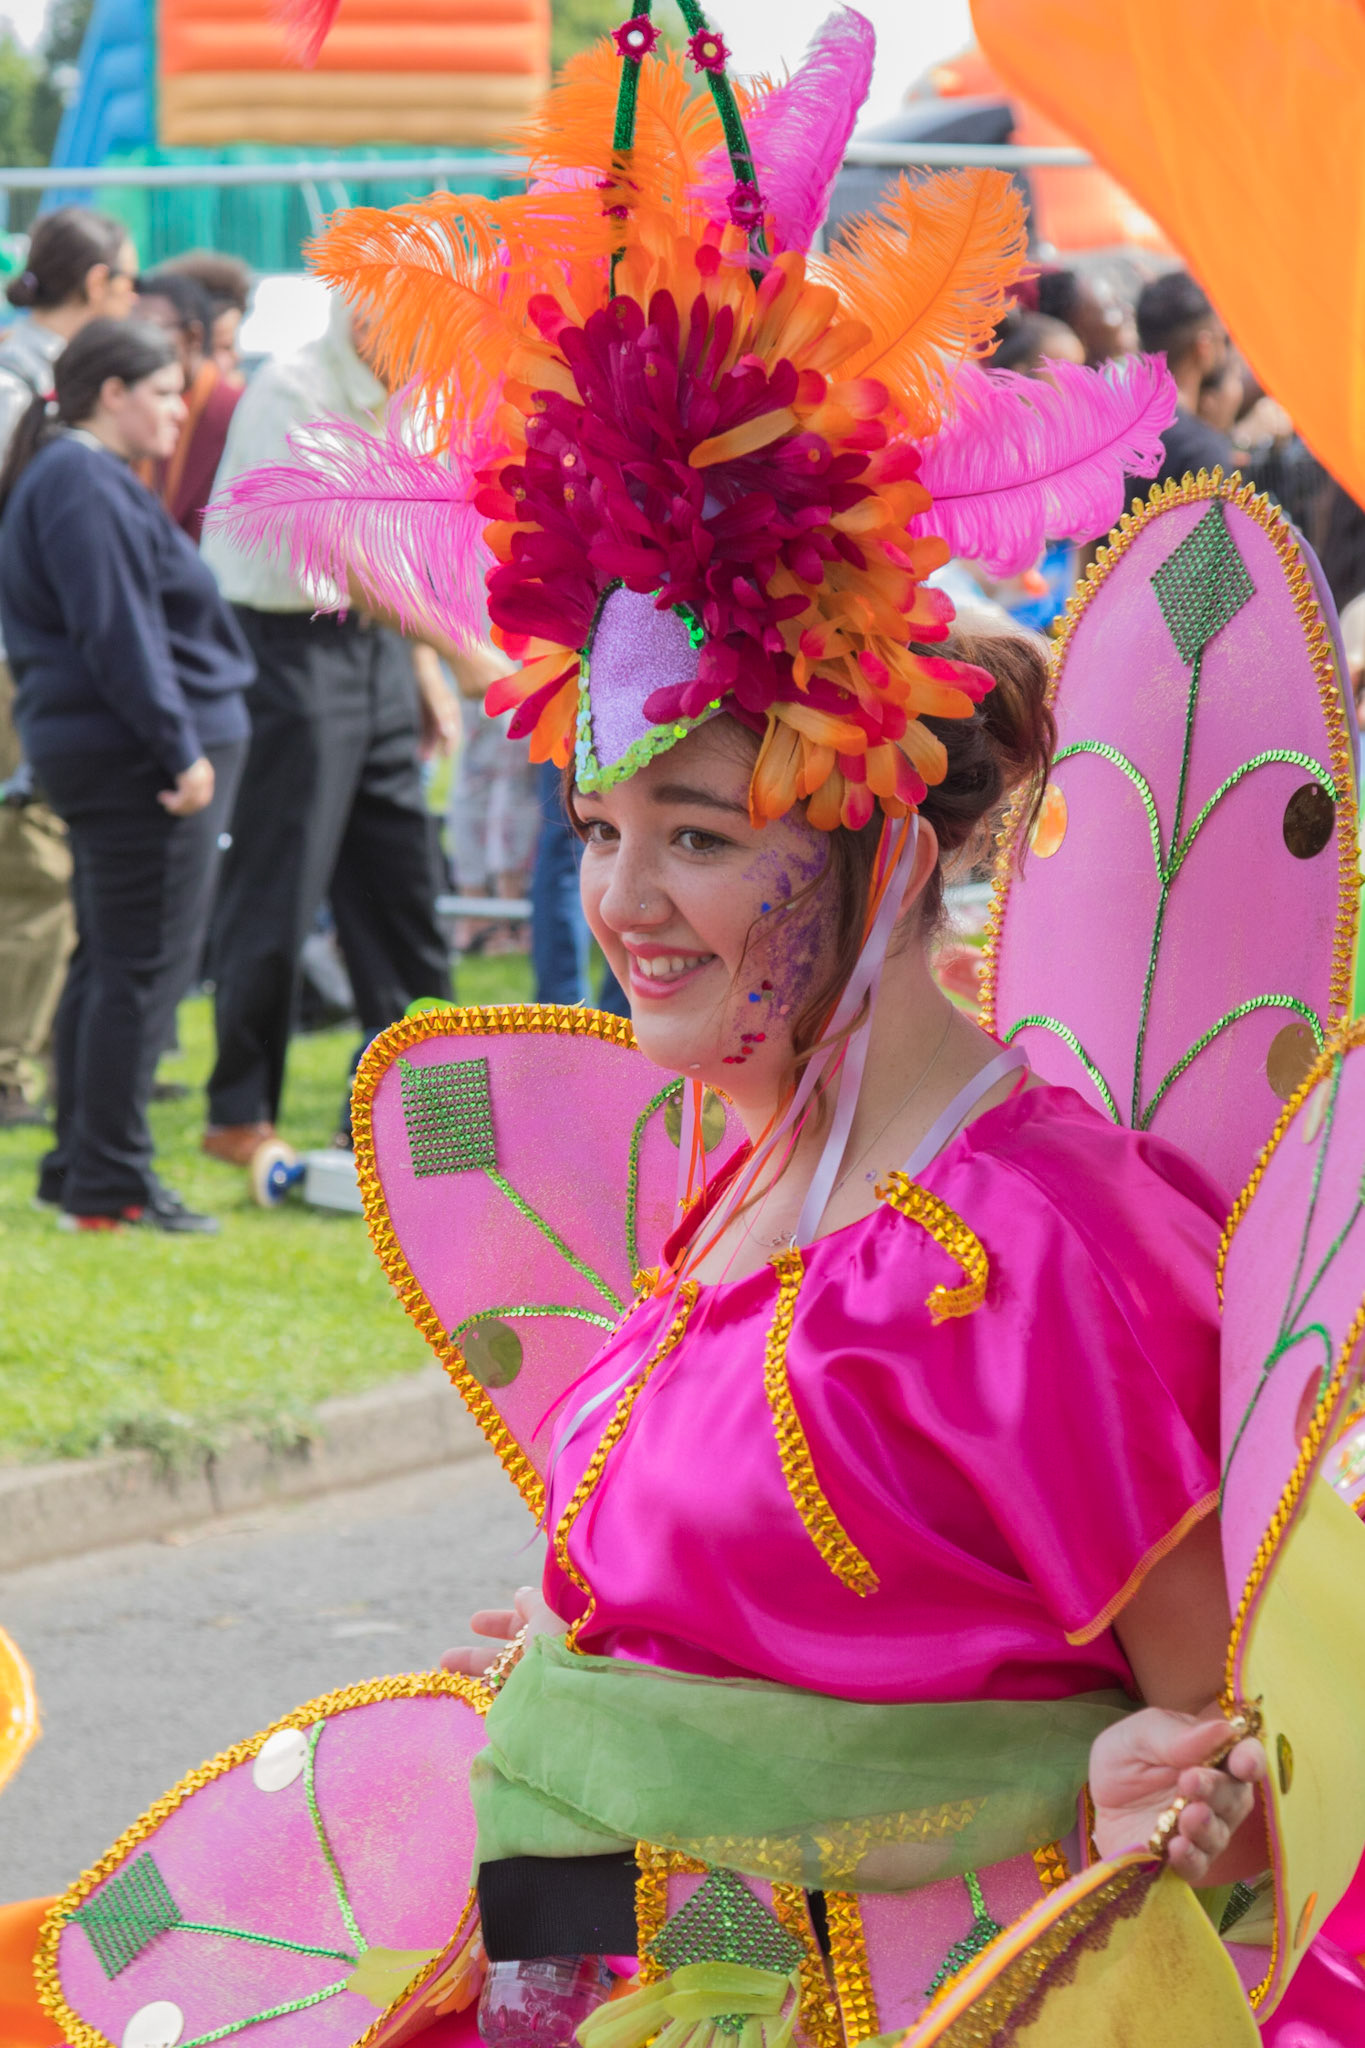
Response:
column 341, row 171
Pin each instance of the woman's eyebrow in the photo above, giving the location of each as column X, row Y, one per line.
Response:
column 685, row 793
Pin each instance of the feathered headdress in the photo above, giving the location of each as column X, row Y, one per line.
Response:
column 713, row 468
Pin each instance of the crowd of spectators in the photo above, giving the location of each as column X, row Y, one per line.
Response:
column 205, row 767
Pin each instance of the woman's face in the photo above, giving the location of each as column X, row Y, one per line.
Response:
column 146, row 417
column 696, row 911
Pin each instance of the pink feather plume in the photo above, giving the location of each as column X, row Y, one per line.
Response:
column 797, row 132
column 355, row 503
column 306, row 24
column 1025, row 460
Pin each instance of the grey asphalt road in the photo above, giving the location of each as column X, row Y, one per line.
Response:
column 150, row 1659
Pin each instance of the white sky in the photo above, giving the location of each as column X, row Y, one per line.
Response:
column 767, row 34
column 25, row 17
column 764, row 35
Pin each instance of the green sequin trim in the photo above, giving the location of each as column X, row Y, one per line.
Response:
column 1273, row 1002
column 328, row 1853
column 984, row 1930
column 656, row 1102
column 547, row 1230
column 1068, row 1038
column 448, row 1111
column 723, row 1922
column 525, row 1310
column 1202, row 584
column 132, row 1909
column 276, row 2012
column 1293, row 1330
column 589, row 773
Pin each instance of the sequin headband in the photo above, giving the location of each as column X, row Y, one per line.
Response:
column 703, row 467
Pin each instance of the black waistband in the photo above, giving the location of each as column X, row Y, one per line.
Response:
column 533, row 1906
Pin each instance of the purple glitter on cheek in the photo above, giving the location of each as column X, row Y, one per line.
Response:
column 635, row 651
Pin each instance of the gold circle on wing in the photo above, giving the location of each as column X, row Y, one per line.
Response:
column 1050, row 828
column 1293, row 1053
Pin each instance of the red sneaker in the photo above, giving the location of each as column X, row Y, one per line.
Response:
column 65, row 1221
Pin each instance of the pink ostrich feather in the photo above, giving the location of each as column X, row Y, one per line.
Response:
column 797, row 132
column 1025, row 460
column 355, row 505
column 306, row 24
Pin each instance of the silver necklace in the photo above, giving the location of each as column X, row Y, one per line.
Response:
column 904, row 1103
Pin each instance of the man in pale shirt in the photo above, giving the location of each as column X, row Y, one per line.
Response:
column 331, row 802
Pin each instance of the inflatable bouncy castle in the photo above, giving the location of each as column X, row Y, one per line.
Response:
column 219, row 73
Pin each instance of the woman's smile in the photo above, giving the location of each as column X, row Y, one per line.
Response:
column 657, row 972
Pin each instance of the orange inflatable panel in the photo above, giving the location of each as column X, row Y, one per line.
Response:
column 436, row 36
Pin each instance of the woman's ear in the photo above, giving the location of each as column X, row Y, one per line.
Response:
column 923, row 861
column 95, row 283
column 112, row 391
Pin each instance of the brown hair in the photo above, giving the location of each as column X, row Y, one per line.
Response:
column 66, row 245
column 1007, row 743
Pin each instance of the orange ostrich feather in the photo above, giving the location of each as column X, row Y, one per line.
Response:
column 928, row 274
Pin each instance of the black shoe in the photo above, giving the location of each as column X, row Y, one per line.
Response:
column 165, row 1210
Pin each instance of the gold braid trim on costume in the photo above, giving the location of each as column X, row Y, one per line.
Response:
column 504, row 1020
column 818, row 2010
column 999, row 2008
column 946, row 1228
column 405, row 1686
column 611, row 1436
column 851, row 1968
column 823, row 1526
column 1198, row 490
column 1342, row 1041
column 1050, row 1864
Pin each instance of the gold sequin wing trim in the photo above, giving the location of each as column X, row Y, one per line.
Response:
column 509, row 1020
column 947, row 1229
column 1027, row 1960
column 597, row 1464
column 414, row 1685
column 851, row 1967
column 1199, row 490
column 1320, row 1429
column 822, row 1525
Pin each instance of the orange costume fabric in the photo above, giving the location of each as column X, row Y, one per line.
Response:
column 23, row 2023
column 1240, row 126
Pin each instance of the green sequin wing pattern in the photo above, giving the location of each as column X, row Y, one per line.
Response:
column 520, row 1168
column 723, row 1922
column 1173, row 937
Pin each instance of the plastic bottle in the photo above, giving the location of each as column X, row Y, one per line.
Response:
column 540, row 2003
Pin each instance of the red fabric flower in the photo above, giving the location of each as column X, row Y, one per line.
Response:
column 707, row 50
column 636, row 38
column 745, row 202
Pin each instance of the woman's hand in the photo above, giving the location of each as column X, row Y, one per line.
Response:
column 1140, row 1766
column 193, row 789
column 529, row 1610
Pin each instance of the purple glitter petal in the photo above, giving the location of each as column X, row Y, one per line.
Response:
column 636, row 650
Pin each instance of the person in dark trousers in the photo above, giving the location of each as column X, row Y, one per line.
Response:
column 80, row 267
column 332, row 799
column 130, row 674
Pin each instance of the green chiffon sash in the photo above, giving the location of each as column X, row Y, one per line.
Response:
column 587, row 1755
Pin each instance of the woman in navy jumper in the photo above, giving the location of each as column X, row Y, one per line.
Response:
column 130, row 671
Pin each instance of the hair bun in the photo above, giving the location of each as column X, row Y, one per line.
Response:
column 22, row 290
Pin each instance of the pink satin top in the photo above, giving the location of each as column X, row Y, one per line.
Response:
column 1009, row 1474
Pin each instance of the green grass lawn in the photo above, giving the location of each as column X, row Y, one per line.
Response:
column 139, row 1339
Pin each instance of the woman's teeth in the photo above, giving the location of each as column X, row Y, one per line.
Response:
column 670, row 963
